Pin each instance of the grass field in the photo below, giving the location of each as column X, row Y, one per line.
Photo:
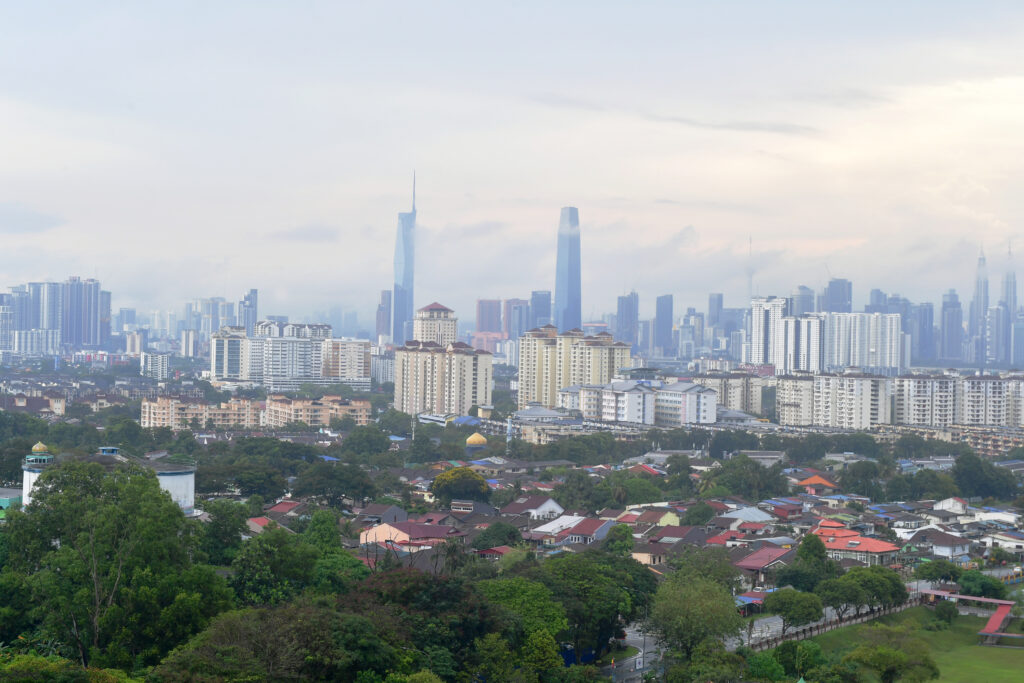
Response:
column 956, row 650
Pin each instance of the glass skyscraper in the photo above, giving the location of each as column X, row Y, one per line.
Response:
column 568, row 315
column 405, row 263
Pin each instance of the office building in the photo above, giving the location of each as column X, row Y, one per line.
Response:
column 837, row 297
column 405, row 263
column 488, row 315
column 627, row 319
column 951, row 346
column 715, row 304
column 515, row 318
column 226, row 354
column 436, row 324
column 663, row 318
column 249, row 311
column 441, row 380
column 80, row 323
column 801, row 301
column 976, row 326
column 568, row 303
column 549, row 361
column 540, row 309
column 383, row 329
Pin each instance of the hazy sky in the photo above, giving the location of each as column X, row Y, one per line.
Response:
column 181, row 149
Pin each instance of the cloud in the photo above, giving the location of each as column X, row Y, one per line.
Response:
column 780, row 127
column 311, row 232
column 17, row 219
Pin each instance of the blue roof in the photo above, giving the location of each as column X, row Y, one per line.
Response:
column 396, row 438
column 329, row 458
column 466, row 420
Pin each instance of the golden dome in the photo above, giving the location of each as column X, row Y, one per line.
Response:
column 40, row 448
column 476, row 440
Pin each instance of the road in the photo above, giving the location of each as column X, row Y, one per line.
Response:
column 649, row 657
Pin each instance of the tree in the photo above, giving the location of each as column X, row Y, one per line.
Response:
column 974, row 582
column 892, row 654
column 938, row 570
column 841, row 595
column 744, row 477
column 540, row 654
column 976, row 477
column 222, row 534
column 335, row 483
column 689, row 610
column 365, row 441
column 709, row 563
column 881, row 586
column 795, row 608
column 459, row 483
column 530, row 602
column 698, row 515
column 107, row 557
column 272, row 567
column 322, row 532
column 338, row 571
column 862, row 477
column 494, row 660
column 764, row 667
column 811, row 566
column 946, row 611
column 498, row 533
column 619, row 540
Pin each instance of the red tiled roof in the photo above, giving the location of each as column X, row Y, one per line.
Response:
column 831, row 524
column 417, row 531
column 725, row 536
column 817, row 480
column 588, row 527
column 285, row 506
column 628, row 518
column 759, row 559
column 671, row 531
column 260, row 521
column 752, row 526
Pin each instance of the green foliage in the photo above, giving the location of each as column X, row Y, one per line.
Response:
column 946, row 611
column 539, row 654
column 459, row 483
column 498, row 533
column 272, row 567
column 795, row 608
column 764, row 667
column 222, row 535
column 619, row 540
column 710, row 563
column 698, row 515
column 842, row 594
column 690, row 609
column 529, row 602
column 335, row 484
column 322, row 532
column 107, row 557
column 747, row 479
column 973, row 582
column 892, row 654
column 881, row 586
column 53, row 669
column 938, row 571
column 977, row 477
column 810, row 567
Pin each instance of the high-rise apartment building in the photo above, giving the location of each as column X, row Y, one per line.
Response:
column 872, row 342
column 346, row 360
column 436, row 324
column 801, row 301
column 794, row 400
column 488, row 315
column 926, row 400
column 441, row 380
column 405, row 263
column 568, row 299
column 549, row 361
column 383, row 330
column 663, row 316
column 852, row 401
column 540, row 309
column 155, row 365
column 767, row 334
column 627, row 319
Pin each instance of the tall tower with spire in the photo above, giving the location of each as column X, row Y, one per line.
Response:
column 568, row 305
column 976, row 326
column 405, row 268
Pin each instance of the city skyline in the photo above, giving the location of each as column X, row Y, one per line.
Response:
column 884, row 163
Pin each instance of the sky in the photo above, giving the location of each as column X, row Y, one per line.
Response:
column 184, row 149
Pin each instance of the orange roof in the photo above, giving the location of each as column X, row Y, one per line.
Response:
column 817, row 480
column 831, row 523
column 860, row 544
column 260, row 521
column 834, row 533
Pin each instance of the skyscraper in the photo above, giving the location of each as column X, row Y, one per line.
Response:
column 951, row 346
column 80, row 325
column 976, row 326
column 384, row 314
column 405, row 263
column 515, row 318
column 248, row 311
column 715, row 301
column 488, row 315
column 627, row 318
column 540, row 308
column 568, row 305
column 663, row 324
column 838, row 296
column 801, row 301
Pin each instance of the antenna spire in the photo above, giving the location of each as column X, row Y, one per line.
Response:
column 414, row 191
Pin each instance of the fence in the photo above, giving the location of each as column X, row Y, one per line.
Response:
column 832, row 624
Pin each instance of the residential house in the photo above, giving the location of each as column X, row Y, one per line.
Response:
column 538, row 507
column 588, row 531
column 411, row 535
column 758, row 567
column 940, row 544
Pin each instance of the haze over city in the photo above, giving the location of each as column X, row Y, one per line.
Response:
column 191, row 149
